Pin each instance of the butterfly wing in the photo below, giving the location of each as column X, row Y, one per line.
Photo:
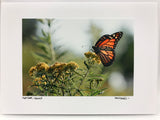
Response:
column 106, row 56
column 109, row 40
column 105, row 46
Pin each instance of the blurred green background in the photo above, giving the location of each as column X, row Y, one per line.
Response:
column 70, row 39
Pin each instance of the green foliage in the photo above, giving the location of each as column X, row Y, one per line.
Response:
column 63, row 79
column 67, row 79
column 47, row 52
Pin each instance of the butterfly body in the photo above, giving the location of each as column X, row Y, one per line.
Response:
column 105, row 46
column 96, row 49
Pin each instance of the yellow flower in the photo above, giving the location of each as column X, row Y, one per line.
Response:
column 39, row 82
column 37, row 79
column 93, row 60
column 54, row 66
column 99, row 61
column 57, row 67
column 72, row 65
column 45, row 83
column 43, row 76
column 88, row 54
column 32, row 70
column 42, row 66
column 93, row 56
column 67, row 71
column 62, row 66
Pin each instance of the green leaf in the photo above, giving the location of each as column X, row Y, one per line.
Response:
column 41, row 21
column 44, row 39
column 95, row 75
column 38, row 39
column 98, row 92
column 34, row 38
column 46, row 93
column 60, row 55
column 40, row 57
column 80, row 69
column 44, row 33
column 49, row 22
column 81, row 93
column 40, row 88
column 78, row 73
column 49, row 39
column 43, row 47
column 37, row 57
column 43, row 56
column 95, row 78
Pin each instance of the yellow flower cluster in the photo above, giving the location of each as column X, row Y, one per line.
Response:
column 39, row 81
column 39, row 67
column 43, row 76
column 42, row 66
column 41, row 70
column 32, row 70
column 63, row 66
column 57, row 67
column 72, row 65
column 94, row 57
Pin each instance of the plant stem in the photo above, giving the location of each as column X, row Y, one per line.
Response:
column 78, row 90
column 52, row 52
column 83, row 79
column 78, row 73
column 50, row 45
column 62, row 91
column 90, row 85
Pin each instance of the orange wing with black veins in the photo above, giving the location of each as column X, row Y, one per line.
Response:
column 109, row 40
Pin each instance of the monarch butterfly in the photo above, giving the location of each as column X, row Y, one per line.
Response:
column 105, row 46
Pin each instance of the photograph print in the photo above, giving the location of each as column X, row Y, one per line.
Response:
column 78, row 57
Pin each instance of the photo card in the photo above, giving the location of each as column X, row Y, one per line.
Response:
column 79, row 57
